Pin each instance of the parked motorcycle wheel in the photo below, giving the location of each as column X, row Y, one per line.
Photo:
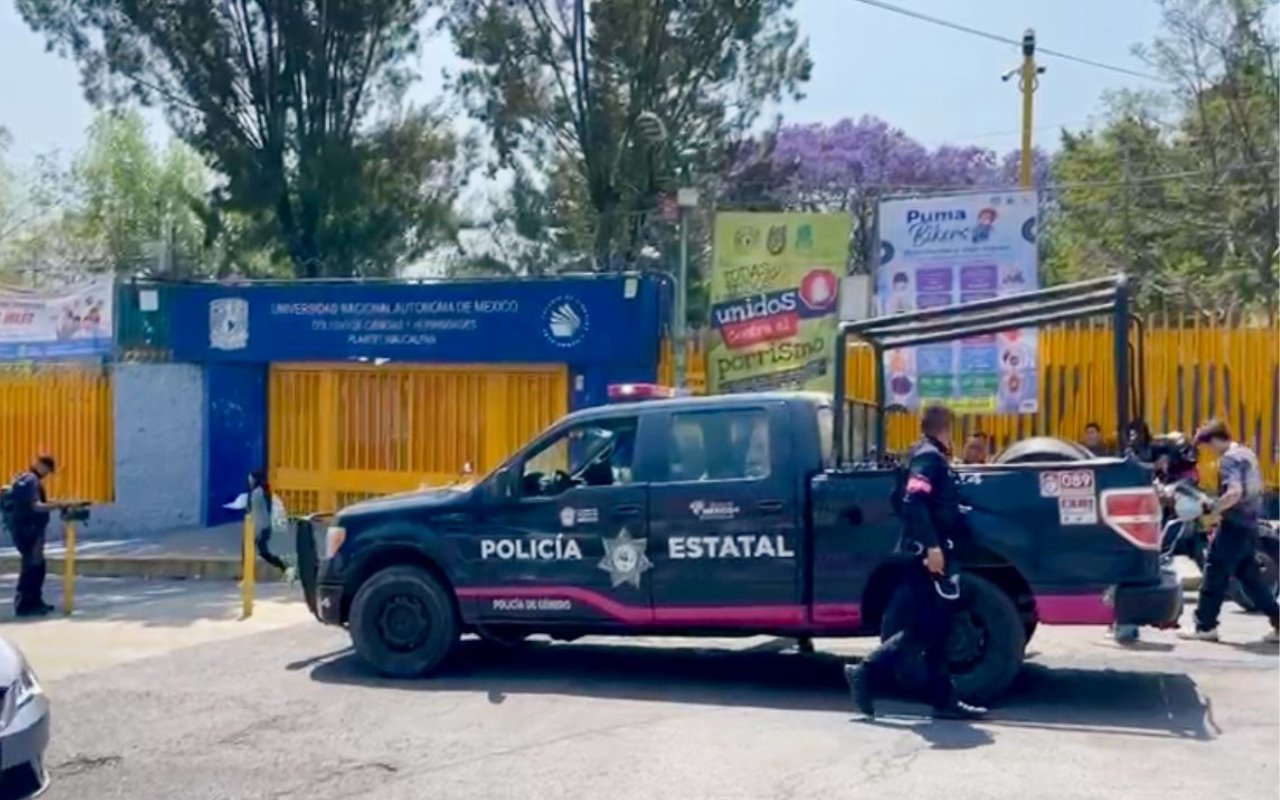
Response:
column 1268, row 557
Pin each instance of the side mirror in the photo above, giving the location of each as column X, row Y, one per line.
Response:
column 502, row 485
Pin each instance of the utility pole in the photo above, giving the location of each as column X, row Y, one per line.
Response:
column 1028, row 80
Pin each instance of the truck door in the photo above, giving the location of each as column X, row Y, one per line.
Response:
column 570, row 544
column 724, row 522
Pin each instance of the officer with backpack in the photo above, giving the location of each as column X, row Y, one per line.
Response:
column 26, row 514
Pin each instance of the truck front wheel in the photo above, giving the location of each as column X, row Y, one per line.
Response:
column 986, row 646
column 403, row 622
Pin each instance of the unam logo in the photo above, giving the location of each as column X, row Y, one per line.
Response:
column 229, row 323
column 565, row 321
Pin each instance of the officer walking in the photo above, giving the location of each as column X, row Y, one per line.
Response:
column 931, row 521
column 27, row 516
column 1231, row 551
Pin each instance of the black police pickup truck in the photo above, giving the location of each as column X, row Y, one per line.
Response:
column 730, row 515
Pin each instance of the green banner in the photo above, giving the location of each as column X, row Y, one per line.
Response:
column 775, row 282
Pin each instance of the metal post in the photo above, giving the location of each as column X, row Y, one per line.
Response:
column 69, row 566
column 1028, row 82
column 686, row 199
column 1120, row 346
column 250, row 563
column 680, row 322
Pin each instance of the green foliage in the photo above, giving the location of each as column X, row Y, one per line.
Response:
column 603, row 103
column 1189, row 206
column 279, row 98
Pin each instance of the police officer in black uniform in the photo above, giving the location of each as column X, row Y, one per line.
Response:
column 931, row 522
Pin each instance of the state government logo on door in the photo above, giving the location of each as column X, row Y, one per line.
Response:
column 229, row 323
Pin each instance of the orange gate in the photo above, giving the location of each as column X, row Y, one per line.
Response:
column 342, row 433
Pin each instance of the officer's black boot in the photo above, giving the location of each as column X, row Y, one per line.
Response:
column 860, row 689
column 958, row 709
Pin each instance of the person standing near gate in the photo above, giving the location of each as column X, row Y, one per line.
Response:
column 27, row 512
column 260, row 503
column 932, row 521
column 1231, row 550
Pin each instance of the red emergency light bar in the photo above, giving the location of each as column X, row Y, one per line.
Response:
column 629, row 392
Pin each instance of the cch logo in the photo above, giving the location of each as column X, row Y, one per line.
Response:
column 565, row 321
column 229, row 323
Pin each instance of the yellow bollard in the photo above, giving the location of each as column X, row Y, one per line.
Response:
column 69, row 567
column 250, row 564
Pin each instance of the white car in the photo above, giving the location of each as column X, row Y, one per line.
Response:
column 24, row 727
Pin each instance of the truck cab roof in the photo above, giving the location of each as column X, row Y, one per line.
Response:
column 695, row 404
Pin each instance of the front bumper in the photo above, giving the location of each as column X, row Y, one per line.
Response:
column 22, row 747
column 1158, row 604
column 328, row 608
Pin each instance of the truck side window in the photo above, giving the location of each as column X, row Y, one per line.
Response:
column 594, row 454
column 720, row 445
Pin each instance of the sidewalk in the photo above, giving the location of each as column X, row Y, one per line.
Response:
column 212, row 553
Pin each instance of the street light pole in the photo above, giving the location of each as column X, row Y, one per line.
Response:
column 1027, row 82
column 686, row 199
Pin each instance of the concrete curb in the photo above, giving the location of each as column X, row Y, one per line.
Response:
column 224, row 568
column 184, row 567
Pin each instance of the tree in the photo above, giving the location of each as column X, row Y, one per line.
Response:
column 280, row 98
column 849, row 165
column 1179, row 188
column 132, row 201
column 602, row 107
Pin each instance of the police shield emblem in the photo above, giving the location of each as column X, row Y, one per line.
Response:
column 229, row 323
column 777, row 241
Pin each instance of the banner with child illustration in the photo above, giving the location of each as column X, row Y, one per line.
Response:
column 939, row 251
column 72, row 322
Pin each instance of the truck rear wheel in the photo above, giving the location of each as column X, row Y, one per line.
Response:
column 403, row 622
column 986, row 645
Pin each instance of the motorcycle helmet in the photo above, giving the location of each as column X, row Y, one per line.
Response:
column 1177, row 449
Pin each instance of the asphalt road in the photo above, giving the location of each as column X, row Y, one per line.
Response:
column 289, row 713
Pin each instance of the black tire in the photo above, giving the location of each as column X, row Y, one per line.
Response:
column 1028, row 630
column 1268, row 557
column 986, row 645
column 403, row 622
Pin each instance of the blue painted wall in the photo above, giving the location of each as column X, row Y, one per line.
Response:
column 607, row 329
column 236, row 425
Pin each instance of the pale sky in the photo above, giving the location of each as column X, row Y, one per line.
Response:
column 937, row 84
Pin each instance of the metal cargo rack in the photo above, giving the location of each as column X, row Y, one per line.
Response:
column 1108, row 297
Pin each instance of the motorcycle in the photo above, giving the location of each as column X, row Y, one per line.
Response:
column 1188, row 532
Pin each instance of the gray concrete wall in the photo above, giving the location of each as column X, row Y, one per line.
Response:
column 159, row 458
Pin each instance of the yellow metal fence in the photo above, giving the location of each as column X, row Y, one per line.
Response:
column 1193, row 372
column 342, row 433
column 66, row 412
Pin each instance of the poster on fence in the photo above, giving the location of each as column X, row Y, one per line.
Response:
column 72, row 322
column 774, row 296
column 938, row 251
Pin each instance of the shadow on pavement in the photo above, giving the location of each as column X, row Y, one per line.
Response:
column 151, row 602
column 1084, row 700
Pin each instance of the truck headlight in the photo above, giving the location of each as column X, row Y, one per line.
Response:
column 333, row 539
column 22, row 691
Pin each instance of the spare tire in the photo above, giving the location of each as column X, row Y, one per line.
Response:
column 1039, row 449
